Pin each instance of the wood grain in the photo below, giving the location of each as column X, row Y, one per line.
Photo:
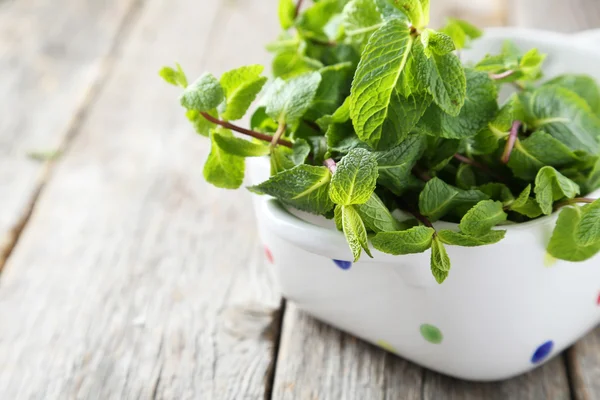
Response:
column 319, row 362
column 52, row 52
column 584, row 366
column 555, row 15
column 134, row 278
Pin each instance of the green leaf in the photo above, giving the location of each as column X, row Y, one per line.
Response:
column 582, row 85
column 440, row 262
column 587, row 232
column 337, row 217
column 395, row 165
column 537, row 151
column 436, row 42
column 482, row 218
column 203, row 95
column 550, row 186
column 373, row 97
column 288, row 101
column 300, row 151
column 448, row 83
column 460, row 239
column 526, row 205
column 360, row 18
column 313, row 21
column 479, row 108
column 461, row 32
column 355, row 232
column 564, row 244
column 411, row 241
column 222, row 169
column 239, row 147
column 287, row 13
column 293, row 62
column 354, row 179
column 498, row 191
column 261, row 122
column 563, row 115
column 417, row 11
column 376, row 215
column 174, row 76
column 241, row 86
column 465, row 177
column 333, row 90
column 304, row 187
column 438, row 198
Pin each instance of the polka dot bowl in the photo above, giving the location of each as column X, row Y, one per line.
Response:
column 504, row 310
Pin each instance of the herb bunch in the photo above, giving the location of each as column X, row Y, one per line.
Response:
column 372, row 111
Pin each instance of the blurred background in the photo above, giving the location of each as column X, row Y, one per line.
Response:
column 125, row 275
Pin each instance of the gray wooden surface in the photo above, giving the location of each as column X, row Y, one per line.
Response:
column 124, row 275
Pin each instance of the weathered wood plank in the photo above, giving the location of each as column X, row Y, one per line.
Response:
column 547, row 382
column 319, row 362
column 556, row 15
column 134, row 278
column 584, row 367
column 51, row 54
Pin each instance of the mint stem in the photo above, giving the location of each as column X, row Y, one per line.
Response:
column 421, row 173
column 256, row 135
column 571, row 202
column 478, row 165
column 276, row 139
column 503, row 75
column 420, row 217
column 331, row 165
column 510, row 143
column 298, row 7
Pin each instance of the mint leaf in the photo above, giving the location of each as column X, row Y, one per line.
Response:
column 479, row 220
column 313, row 21
column 376, row 215
column 373, row 94
column 174, row 76
column 447, row 82
column 355, row 232
column 498, row 191
column 241, row 86
column 290, row 63
column 550, row 186
column 354, row 179
column 287, row 13
column 587, row 232
column 563, row 244
column 537, row 151
column 563, row 115
column 465, row 177
column 526, row 205
column 460, row 239
column 239, row 147
column 360, row 18
column 304, row 187
column 440, row 262
column 261, row 122
column 222, row 169
column 411, row 241
column 438, row 198
column 395, row 165
column 333, row 89
column 479, row 108
column 461, row 32
column 436, row 42
column 203, row 95
column 582, row 85
column 300, row 151
column 287, row 101
column 337, row 217
column 281, row 160
column 417, row 11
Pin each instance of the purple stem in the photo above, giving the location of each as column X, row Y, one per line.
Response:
column 510, row 143
column 330, row 163
column 503, row 75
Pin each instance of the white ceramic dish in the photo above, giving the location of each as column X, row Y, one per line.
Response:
column 503, row 310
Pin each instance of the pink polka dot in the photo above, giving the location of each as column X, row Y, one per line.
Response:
column 269, row 255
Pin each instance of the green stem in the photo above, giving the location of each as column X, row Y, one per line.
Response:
column 571, row 202
column 277, row 136
column 254, row 134
column 478, row 165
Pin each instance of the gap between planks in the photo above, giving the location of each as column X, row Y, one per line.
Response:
column 107, row 64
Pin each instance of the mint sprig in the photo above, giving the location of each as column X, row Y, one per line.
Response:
column 371, row 111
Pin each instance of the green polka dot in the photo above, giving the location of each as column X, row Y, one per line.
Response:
column 386, row 346
column 431, row 334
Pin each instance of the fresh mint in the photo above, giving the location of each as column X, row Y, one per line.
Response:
column 371, row 116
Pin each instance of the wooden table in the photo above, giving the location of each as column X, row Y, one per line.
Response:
column 124, row 274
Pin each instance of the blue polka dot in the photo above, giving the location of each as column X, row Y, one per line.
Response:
column 345, row 265
column 542, row 352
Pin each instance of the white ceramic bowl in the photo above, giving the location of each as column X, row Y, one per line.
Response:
column 504, row 309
